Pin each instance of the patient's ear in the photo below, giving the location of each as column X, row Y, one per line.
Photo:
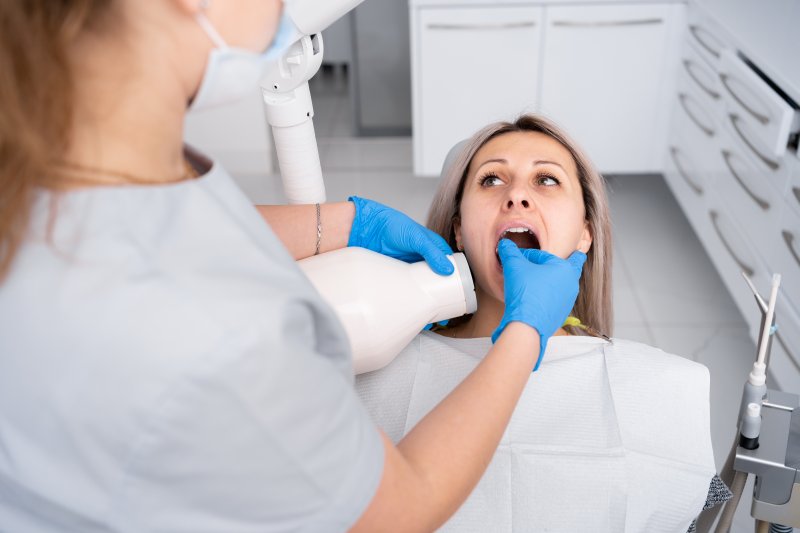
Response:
column 457, row 231
column 586, row 239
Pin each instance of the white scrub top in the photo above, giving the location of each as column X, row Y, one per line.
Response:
column 607, row 438
column 165, row 366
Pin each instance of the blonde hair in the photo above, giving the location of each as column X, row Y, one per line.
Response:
column 593, row 306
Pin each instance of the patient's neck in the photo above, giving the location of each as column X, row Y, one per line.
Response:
column 484, row 321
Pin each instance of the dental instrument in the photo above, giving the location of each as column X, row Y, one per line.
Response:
column 767, row 444
column 413, row 298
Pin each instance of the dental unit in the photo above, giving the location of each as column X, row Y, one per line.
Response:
column 767, row 444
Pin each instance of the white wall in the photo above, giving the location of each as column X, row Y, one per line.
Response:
column 237, row 135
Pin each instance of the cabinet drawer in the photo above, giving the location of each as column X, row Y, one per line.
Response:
column 785, row 256
column 700, row 75
column 693, row 106
column 748, row 193
column 706, row 36
column 769, row 117
column 784, row 361
column 793, row 194
column 775, row 168
column 732, row 254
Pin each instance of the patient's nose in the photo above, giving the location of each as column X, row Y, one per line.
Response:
column 519, row 197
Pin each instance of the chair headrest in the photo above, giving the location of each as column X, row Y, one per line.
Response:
column 451, row 156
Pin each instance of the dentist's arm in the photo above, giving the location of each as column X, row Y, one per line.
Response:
column 357, row 222
column 433, row 469
column 296, row 226
column 430, row 473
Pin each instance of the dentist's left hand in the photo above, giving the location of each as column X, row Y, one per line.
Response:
column 389, row 232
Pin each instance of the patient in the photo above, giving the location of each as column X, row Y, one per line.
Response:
column 608, row 435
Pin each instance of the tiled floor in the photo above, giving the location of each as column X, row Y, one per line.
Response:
column 667, row 293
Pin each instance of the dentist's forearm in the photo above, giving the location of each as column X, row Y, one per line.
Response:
column 434, row 468
column 296, row 226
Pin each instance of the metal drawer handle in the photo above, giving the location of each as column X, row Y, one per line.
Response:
column 499, row 26
column 683, row 98
column 695, row 187
column 747, row 270
column 606, row 23
column 758, row 116
column 788, row 238
column 773, row 165
column 791, row 356
column 696, row 30
column 688, row 64
column 763, row 204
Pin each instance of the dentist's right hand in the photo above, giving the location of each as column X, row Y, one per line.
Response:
column 540, row 289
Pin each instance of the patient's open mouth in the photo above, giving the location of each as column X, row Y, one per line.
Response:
column 521, row 236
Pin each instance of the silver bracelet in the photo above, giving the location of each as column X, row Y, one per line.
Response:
column 319, row 230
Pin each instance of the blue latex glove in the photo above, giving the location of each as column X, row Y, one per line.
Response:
column 389, row 232
column 540, row 289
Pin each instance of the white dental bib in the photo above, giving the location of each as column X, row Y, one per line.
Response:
column 606, row 436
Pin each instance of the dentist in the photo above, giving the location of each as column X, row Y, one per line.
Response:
column 164, row 365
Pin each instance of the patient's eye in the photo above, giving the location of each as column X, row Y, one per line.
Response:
column 547, row 180
column 490, row 180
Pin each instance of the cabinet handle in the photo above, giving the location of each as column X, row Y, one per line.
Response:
column 788, row 238
column 688, row 64
column 773, row 165
column 792, row 358
column 696, row 30
column 498, row 26
column 695, row 187
column 796, row 191
column 758, row 116
column 714, row 216
column 606, row 23
column 763, row 204
column 683, row 98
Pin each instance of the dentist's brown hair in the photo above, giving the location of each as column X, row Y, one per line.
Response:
column 36, row 92
column 594, row 303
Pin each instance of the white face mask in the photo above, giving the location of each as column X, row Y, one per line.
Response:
column 234, row 73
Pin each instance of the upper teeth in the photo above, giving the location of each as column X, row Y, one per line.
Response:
column 517, row 230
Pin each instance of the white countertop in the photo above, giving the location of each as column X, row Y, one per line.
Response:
column 767, row 33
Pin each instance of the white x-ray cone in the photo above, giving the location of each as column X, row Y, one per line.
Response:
column 383, row 302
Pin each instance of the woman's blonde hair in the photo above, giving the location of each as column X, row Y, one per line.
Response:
column 593, row 306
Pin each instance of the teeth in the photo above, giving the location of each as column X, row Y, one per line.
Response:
column 517, row 230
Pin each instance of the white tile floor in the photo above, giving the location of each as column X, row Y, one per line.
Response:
column 667, row 293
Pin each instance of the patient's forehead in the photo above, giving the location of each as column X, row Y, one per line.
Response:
column 525, row 147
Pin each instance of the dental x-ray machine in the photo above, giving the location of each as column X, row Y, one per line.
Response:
column 381, row 302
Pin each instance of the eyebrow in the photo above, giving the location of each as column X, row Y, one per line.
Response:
column 534, row 163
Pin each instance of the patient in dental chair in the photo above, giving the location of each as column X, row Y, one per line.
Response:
column 609, row 435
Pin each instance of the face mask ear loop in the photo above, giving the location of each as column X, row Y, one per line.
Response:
column 210, row 30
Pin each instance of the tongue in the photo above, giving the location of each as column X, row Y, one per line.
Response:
column 523, row 240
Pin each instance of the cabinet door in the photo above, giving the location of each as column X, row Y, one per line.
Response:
column 471, row 66
column 606, row 70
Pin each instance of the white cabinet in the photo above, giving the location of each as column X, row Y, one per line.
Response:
column 470, row 66
column 605, row 78
column 602, row 71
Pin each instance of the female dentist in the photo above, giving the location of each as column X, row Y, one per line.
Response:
column 164, row 365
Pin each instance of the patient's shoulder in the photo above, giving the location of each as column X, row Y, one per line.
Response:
column 638, row 354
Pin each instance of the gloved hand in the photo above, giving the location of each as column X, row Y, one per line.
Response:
column 540, row 289
column 389, row 232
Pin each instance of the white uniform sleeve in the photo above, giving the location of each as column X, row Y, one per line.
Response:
column 271, row 439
